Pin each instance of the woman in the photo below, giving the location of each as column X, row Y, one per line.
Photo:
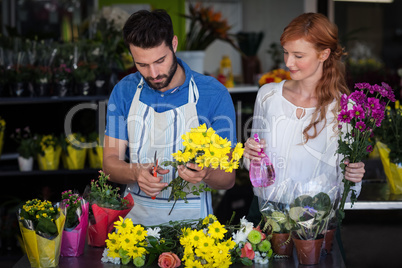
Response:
column 297, row 119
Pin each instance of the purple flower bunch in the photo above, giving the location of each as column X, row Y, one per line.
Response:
column 72, row 202
column 361, row 112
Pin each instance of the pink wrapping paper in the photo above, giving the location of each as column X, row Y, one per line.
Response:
column 73, row 242
column 105, row 218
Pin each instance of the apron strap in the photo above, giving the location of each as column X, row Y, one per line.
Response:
column 193, row 93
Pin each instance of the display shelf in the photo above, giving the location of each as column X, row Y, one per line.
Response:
column 17, row 173
column 53, row 99
column 243, row 89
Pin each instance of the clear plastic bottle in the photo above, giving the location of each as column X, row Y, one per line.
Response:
column 262, row 172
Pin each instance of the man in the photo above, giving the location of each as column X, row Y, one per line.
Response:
column 149, row 110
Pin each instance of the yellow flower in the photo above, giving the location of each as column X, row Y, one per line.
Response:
column 135, row 252
column 139, row 232
column 124, row 226
column 113, row 253
column 217, row 230
column 113, row 241
column 193, row 264
column 195, row 237
column 209, row 219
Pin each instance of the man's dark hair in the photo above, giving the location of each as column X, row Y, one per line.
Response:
column 148, row 29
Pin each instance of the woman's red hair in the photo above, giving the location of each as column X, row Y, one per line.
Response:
column 318, row 30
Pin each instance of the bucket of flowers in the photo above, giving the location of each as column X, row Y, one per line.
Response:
column 49, row 152
column 106, row 205
column 75, row 227
column 389, row 145
column 41, row 225
column 73, row 151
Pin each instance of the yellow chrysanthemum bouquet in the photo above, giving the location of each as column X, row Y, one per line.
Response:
column 190, row 243
column 207, row 149
column 41, row 225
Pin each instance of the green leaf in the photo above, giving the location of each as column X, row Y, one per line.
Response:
column 46, row 226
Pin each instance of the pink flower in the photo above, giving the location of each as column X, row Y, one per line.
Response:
column 344, row 116
column 247, row 251
column 168, row 260
column 358, row 112
column 369, row 148
column 360, row 126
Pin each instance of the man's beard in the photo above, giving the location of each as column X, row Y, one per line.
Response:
column 168, row 76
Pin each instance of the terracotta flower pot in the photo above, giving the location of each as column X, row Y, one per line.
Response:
column 328, row 241
column 308, row 251
column 280, row 246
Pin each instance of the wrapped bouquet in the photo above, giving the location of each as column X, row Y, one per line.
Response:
column 75, row 228
column 41, row 224
column 106, row 206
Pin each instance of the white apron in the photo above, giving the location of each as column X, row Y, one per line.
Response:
column 150, row 131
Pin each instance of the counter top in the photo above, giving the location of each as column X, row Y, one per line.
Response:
column 92, row 258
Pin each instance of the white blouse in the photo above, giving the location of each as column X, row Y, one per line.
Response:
column 301, row 168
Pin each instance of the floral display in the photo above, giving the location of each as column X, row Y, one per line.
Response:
column 191, row 243
column 49, row 152
column 62, row 72
column 41, row 225
column 390, row 130
column 389, row 146
column 106, row 205
column 206, row 26
column 275, row 76
column 207, row 149
column 361, row 113
column 26, row 142
column 253, row 245
column 73, row 151
column 75, row 228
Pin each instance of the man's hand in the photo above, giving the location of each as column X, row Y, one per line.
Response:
column 149, row 184
column 192, row 173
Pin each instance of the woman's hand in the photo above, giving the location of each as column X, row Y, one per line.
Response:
column 252, row 149
column 354, row 171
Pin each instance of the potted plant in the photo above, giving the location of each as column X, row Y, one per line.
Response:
column 279, row 225
column 73, row 152
column 389, row 145
column 75, row 228
column 62, row 78
column 310, row 215
column 84, row 76
column 205, row 27
column 41, row 224
column 105, row 207
column 49, row 151
column 26, row 148
column 42, row 76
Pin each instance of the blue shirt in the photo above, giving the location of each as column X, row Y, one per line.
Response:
column 214, row 107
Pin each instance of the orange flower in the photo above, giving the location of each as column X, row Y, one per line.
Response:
column 168, row 260
column 247, row 251
column 276, row 76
